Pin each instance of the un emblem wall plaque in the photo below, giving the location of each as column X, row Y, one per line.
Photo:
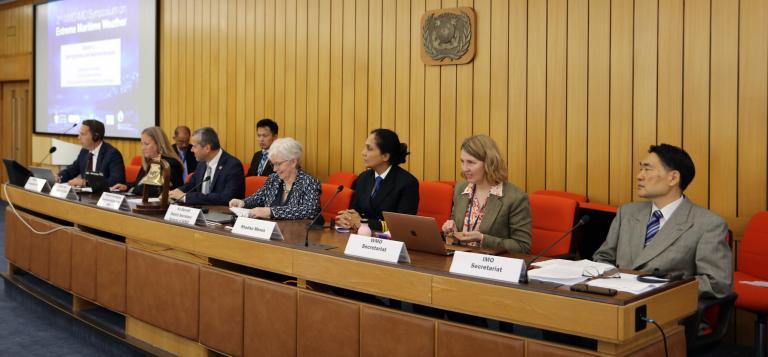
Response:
column 448, row 36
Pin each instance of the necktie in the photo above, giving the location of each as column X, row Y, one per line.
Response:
column 90, row 163
column 653, row 227
column 263, row 162
column 183, row 164
column 376, row 186
column 207, row 184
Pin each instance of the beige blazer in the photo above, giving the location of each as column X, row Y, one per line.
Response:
column 691, row 241
column 506, row 220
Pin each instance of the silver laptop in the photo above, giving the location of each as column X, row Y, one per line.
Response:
column 43, row 173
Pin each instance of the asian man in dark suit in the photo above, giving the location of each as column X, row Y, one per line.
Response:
column 95, row 156
column 225, row 171
column 266, row 131
column 669, row 233
column 181, row 145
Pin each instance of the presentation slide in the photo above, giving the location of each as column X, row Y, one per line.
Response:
column 95, row 59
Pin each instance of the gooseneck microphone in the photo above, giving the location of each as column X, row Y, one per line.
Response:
column 206, row 179
column 524, row 272
column 311, row 223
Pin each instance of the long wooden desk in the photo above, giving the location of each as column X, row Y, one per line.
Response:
column 148, row 243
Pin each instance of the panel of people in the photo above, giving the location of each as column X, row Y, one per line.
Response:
column 666, row 233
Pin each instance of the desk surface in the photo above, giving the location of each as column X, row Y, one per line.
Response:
column 425, row 280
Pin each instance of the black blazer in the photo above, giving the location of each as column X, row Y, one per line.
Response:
column 399, row 193
column 228, row 182
column 189, row 158
column 109, row 162
column 253, row 170
column 177, row 171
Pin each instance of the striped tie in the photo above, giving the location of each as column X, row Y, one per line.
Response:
column 653, row 227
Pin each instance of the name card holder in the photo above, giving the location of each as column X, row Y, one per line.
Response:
column 63, row 191
column 113, row 201
column 184, row 215
column 487, row 266
column 38, row 185
column 385, row 250
column 257, row 229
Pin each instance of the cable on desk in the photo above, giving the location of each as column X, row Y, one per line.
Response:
column 13, row 208
column 663, row 335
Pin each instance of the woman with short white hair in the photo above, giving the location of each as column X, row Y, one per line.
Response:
column 289, row 193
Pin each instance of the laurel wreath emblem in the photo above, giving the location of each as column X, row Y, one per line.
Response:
column 435, row 42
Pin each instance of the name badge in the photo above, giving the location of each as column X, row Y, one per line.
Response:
column 35, row 184
column 487, row 266
column 184, row 215
column 64, row 191
column 257, row 229
column 113, row 201
column 385, row 250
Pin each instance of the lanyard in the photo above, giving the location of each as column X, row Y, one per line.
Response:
column 469, row 223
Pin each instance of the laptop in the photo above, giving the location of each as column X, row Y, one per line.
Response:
column 17, row 173
column 43, row 173
column 96, row 181
column 422, row 234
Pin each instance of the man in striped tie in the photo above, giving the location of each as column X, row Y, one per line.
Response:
column 668, row 233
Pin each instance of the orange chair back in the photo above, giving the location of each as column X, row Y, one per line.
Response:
column 131, row 172
column 753, row 248
column 435, row 200
column 246, row 167
column 339, row 203
column 253, row 184
column 570, row 195
column 551, row 217
column 343, row 178
column 136, row 160
column 188, row 178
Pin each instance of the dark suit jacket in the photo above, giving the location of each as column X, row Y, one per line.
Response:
column 399, row 193
column 692, row 241
column 228, row 182
column 176, row 178
column 253, row 170
column 189, row 158
column 109, row 162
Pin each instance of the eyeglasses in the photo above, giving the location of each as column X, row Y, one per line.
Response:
column 594, row 272
column 276, row 164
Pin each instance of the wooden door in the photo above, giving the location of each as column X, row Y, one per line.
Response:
column 16, row 118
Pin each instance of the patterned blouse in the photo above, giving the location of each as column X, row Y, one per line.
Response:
column 475, row 212
column 303, row 200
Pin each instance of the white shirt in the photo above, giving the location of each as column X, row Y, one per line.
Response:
column 667, row 211
column 213, row 163
column 95, row 153
column 383, row 175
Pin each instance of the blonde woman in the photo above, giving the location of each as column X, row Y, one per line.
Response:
column 155, row 144
column 488, row 211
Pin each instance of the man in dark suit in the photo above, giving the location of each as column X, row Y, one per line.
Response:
column 95, row 156
column 669, row 233
column 184, row 150
column 266, row 131
column 225, row 171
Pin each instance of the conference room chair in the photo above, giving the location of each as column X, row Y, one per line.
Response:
column 551, row 217
column 189, row 178
column 136, row 160
column 341, row 201
column 592, row 235
column 253, row 184
column 751, row 266
column 435, row 200
column 448, row 182
column 246, row 167
column 131, row 172
column 343, row 178
column 569, row 195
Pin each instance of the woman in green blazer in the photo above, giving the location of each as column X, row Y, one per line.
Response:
column 490, row 211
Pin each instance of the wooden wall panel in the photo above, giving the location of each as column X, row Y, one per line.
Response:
column 573, row 91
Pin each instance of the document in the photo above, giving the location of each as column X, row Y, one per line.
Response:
column 626, row 283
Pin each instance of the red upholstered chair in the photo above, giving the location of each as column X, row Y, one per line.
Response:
column 448, row 182
column 435, row 200
column 131, row 172
column 570, row 195
column 246, row 167
column 339, row 203
column 342, row 178
column 136, row 160
column 253, row 184
column 551, row 216
column 751, row 266
column 188, row 178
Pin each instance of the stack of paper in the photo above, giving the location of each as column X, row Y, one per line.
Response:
column 239, row 212
column 566, row 272
column 627, row 283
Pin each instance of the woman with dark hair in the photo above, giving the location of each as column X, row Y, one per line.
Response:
column 385, row 186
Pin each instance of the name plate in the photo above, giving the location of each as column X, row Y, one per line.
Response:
column 63, row 190
column 487, row 266
column 184, row 215
column 113, row 201
column 35, row 184
column 257, row 229
column 385, row 250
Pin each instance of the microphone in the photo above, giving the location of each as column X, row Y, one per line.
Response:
column 50, row 151
column 311, row 224
column 206, row 179
column 524, row 273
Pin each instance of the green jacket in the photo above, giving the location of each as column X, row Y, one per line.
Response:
column 507, row 219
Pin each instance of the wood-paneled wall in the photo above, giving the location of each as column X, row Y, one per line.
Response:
column 573, row 91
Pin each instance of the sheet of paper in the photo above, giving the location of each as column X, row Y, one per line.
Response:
column 627, row 283
column 240, row 212
column 758, row 283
